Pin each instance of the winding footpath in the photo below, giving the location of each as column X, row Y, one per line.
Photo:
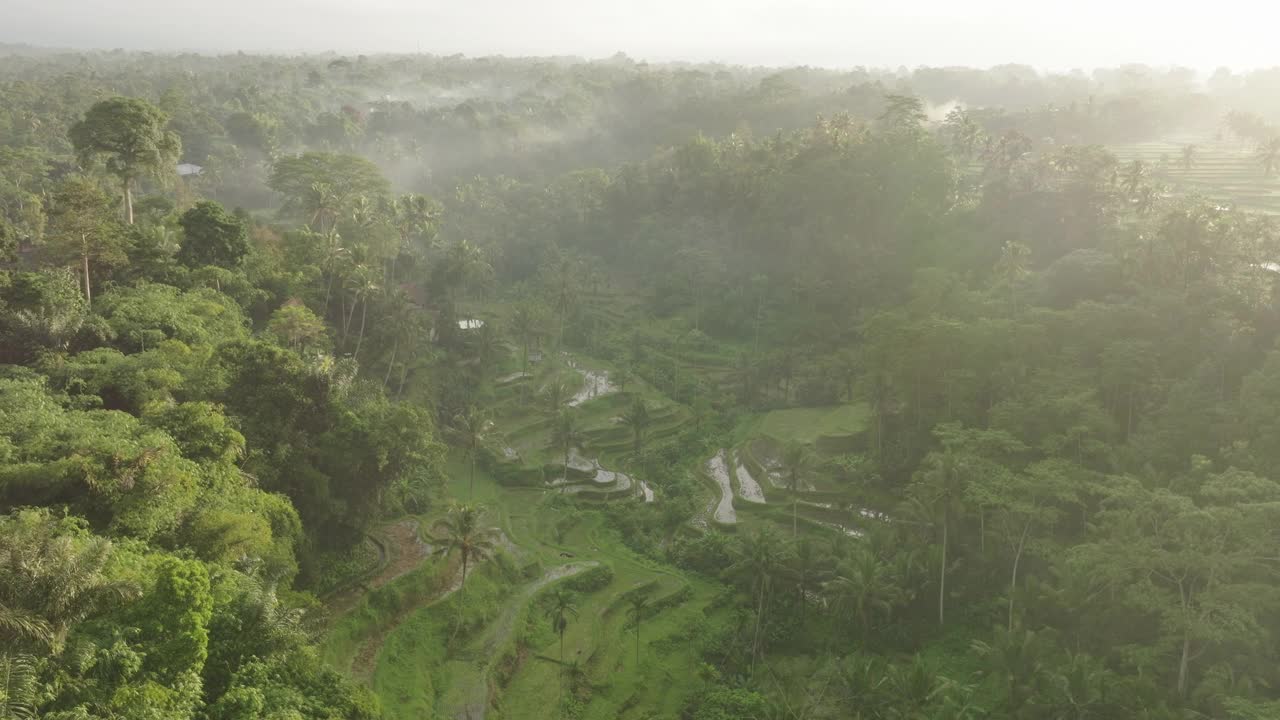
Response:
column 468, row 695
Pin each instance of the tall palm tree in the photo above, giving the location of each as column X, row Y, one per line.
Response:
column 1012, row 266
column 364, row 284
column 554, row 392
column 414, row 217
column 1268, row 155
column 809, row 572
column 760, row 560
column 487, row 344
column 464, row 535
column 639, row 603
column 471, row 427
column 562, row 608
column 1189, row 153
column 797, row 459
column 527, row 326
column 564, row 293
column 1135, row 174
column 938, row 490
column 638, row 419
column 565, row 434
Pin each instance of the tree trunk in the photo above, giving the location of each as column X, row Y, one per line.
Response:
column 795, row 513
column 390, row 365
column 462, row 593
column 471, row 482
column 755, row 639
column 1013, row 580
column 1184, row 663
column 128, row 201
column 942, row 581
column 84, row 265
column 364, row 311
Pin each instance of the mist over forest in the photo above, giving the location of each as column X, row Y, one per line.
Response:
column 409, row 385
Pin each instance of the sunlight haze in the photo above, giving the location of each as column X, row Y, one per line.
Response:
column 1057, row 36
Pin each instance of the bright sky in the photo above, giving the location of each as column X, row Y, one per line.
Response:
column 1056, row 34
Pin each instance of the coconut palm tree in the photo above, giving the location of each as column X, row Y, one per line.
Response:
column 565, row 434
column 561, row 608
column 1189, row 153
column 809, row 572
column 1135, row 174
column 526, row 324
column 364, row 283
column 797, row 459
column 471, row 428
column 938, row 491
column 414, row 217
column 639, row 603
column 1268, row 155
column 760, row 559
column 554, row 393
column 563, row 287
column 638, row 419
column 1012, row 266
column 463, row 534
column 865, row 585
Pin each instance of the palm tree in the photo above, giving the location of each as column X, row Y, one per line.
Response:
column 365, row 284
column 865, row 585
column 797, row 459
column 466, row 264
column 1268, row 155
column 49, row 582
column 760, row 560
column 463, row 534
column 639, row 603
column 565, row 434
column 1016, row 657
column 808, row 573
column 554, row 393
column 1135, row 174
column 334, row 255
column 562, row 608
column 527, row 326
column 413, row 216
column 1012, row 266
column 938, row 491
column 487, row 343
column 471, row 427
column 638, row 419
column 564, row 293
column 1189, row 153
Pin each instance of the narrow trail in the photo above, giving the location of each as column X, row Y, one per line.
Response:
column 400, row 550
column 366, row 659
column 468, row 697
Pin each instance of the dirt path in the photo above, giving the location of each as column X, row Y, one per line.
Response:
column 468, row 698
column 366, row 659
column 400, row 551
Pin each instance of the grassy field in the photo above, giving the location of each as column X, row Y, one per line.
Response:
column 807, row 425
column 1222, row 170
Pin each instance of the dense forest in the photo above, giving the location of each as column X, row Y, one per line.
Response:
column 418, row 387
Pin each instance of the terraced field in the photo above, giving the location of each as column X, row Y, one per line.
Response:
column 1222, row 170
column 494, row 656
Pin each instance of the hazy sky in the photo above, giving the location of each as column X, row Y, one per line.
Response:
column 1056, row 35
